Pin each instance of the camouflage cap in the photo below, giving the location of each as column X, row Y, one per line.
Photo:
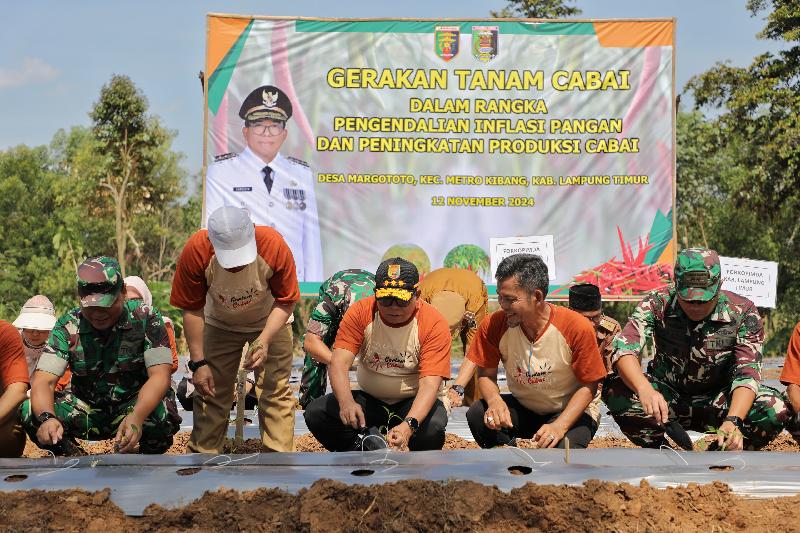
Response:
column 266, row 102
column 697, row 274
column 99, row 281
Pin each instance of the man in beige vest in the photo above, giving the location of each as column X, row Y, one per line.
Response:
column 551, row 359
column 461, row 297
column 403, row 346
column 236, row 283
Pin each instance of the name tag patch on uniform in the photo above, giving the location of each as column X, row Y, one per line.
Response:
column 720, row 343
column 242, row 189
column 607, row 325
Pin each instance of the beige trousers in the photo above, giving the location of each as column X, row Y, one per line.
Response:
column 276, row 403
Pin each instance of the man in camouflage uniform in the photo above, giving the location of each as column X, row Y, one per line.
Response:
column 336, row 295
column 706, row 372
column 585, row 299
column 120, row 357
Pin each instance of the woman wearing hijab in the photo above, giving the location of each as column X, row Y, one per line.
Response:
column 136, row 289
column 35, row 320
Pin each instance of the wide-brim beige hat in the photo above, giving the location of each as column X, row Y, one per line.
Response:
column 37, row 313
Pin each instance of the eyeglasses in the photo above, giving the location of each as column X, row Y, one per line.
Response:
column 389, row 301
column 273, row 129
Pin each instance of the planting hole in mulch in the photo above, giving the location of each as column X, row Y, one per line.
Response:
column 16, row 478
column 721, row 468
column 518, row 470
column 188, row 471
column 362, row 472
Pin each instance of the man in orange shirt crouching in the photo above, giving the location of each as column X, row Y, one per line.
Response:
column 403, row 346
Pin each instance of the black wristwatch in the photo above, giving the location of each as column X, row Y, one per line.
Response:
column 413, row 423
column 44, row 416
column 738, row 422
column 194, row 365
column 458, row 389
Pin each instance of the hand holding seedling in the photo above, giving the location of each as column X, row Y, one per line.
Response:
column 352, row 415
column 50, row 432
column 497, row 415
column 729, row 437
column 399, row 436
column 549, row 435
column 255, row 355
column 203, row 381
column 455, row 399
column 129, row 433
column 653, row 403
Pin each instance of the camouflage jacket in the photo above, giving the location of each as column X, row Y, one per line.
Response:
column 107, row 369
column 336, row 295
column 697, row 359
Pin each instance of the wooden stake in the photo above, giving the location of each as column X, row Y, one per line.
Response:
column 241, row 379
column 566, row 450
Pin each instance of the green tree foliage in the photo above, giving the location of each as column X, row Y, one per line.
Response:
column 538, row 9
column 745, row 161
column 59, row 205
column 137, row 170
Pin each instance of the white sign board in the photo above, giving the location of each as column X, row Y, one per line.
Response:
column 541, row 245
column 756, row 280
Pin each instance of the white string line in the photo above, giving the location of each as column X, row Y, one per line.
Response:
column 71, row 463
column 229, row 460
column 533, row 461
column 736, row 458
column 383, row 460
column 664, row 447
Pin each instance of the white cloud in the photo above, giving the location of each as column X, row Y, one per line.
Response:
column 33, row 70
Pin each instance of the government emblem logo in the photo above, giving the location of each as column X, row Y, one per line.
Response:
column 485, row 41
column 394, row 271
column 269, row 99
column 445, row 41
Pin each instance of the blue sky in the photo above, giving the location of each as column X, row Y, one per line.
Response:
column 55, row 55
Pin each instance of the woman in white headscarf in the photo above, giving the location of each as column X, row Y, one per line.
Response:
column 136, row 289
column 35, row 321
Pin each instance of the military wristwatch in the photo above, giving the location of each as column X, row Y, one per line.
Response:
column 738, row 422
column 194, row 365
column 45, row 416
column 413, row 423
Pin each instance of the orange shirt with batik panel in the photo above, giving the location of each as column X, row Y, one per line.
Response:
column 392, row 358
column 545, row 372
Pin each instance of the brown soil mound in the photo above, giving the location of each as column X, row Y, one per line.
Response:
column 611, row 442
column 307, row 443
column 416, row 505
column 782, row 443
